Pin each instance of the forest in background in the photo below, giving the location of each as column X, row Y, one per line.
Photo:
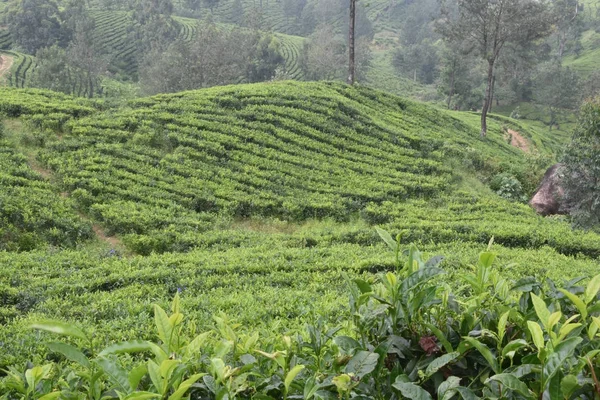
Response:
column 106, row 48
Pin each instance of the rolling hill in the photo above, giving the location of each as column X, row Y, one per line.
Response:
column 244, row 197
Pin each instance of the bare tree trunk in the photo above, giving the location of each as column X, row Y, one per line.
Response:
column 492, row 94
column 488, row 97
column 351, row 40
column 451, row 85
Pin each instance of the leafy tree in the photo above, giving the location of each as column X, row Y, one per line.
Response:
column 35, row 24
column 458, row 79
column 492, row 24
column 569, row 25
column 211, row 4
column 154, row 26
column 591, row 86
column 216, row 57
column 324, row 55
column 558, row 89
column 52, row 71
column 418, row 61
column 363, row 25
column 237, row 11
column 264, row 57
column 86, row 59
column 293, row 8
column 77, row 70
column 582, row 168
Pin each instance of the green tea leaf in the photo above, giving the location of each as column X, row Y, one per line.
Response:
column 552, row 391
column 419, row 276
column 363, row 363
column 310, row 388
column 387, row 238
column 50, row 396
column 185, row 386
column 445, row 391
column 568, row 385
column 136, row 375
column 502, row 322
column 289, row 378
column 154, row 372
column 559, row 358
column 163, row 326
column 363, row 286
column 347, row 343
column 592, row 289
column 70, row 352
column 115, row 373
column 412, row 391
column 141, row 396
column 512, row 347
column 541, row 309
column 466, row 393
column 133, row 346
column 536, row 334
column 486, row 259
column 60, row 328
column 511, row 382
column 525, row 284
column 577, row 301
column 440, row 362
column 194, row 347
column 483, row 349
column 441, row 337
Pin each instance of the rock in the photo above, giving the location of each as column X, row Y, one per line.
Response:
column 548, row 199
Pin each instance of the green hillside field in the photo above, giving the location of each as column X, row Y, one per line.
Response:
column 251, row 200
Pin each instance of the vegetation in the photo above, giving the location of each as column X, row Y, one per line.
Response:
column 410, row 338
column 581, row 168
column 299, row 225
column 217, row 193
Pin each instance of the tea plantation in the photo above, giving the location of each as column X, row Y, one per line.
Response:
column 257, row 204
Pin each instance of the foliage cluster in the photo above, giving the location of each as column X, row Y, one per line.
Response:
column 582, row 168
column 407, row 337
column 161, row 173
column 32, row 214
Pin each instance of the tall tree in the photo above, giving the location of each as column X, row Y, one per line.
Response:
column 154, row 26
column 569, row 24
column 217, row 56
column 324, row 55
column 35, row 24
column 581, row 161
column 490, row 25
column 558, row 89
column 351, row 43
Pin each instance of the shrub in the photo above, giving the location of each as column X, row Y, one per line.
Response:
column 582, row 172
column 507, row 186
column 411, row 337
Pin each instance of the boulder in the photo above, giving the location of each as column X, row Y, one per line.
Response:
column 549, row 197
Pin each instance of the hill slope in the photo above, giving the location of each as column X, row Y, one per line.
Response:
column 250, row 196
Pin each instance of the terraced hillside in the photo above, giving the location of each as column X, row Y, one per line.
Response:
column 254, row 200
column 20, row 72
column 113, row 32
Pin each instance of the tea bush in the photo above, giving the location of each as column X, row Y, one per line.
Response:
column 407, row 336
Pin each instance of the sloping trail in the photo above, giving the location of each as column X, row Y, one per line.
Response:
column 16, row 127
column 114, row 242
column 517, row 140
column 6, row 63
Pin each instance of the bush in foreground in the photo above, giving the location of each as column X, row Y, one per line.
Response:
column 413, row 337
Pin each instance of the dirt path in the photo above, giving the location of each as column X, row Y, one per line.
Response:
column 114, row 242
column 517, row 140
column 6, row 63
